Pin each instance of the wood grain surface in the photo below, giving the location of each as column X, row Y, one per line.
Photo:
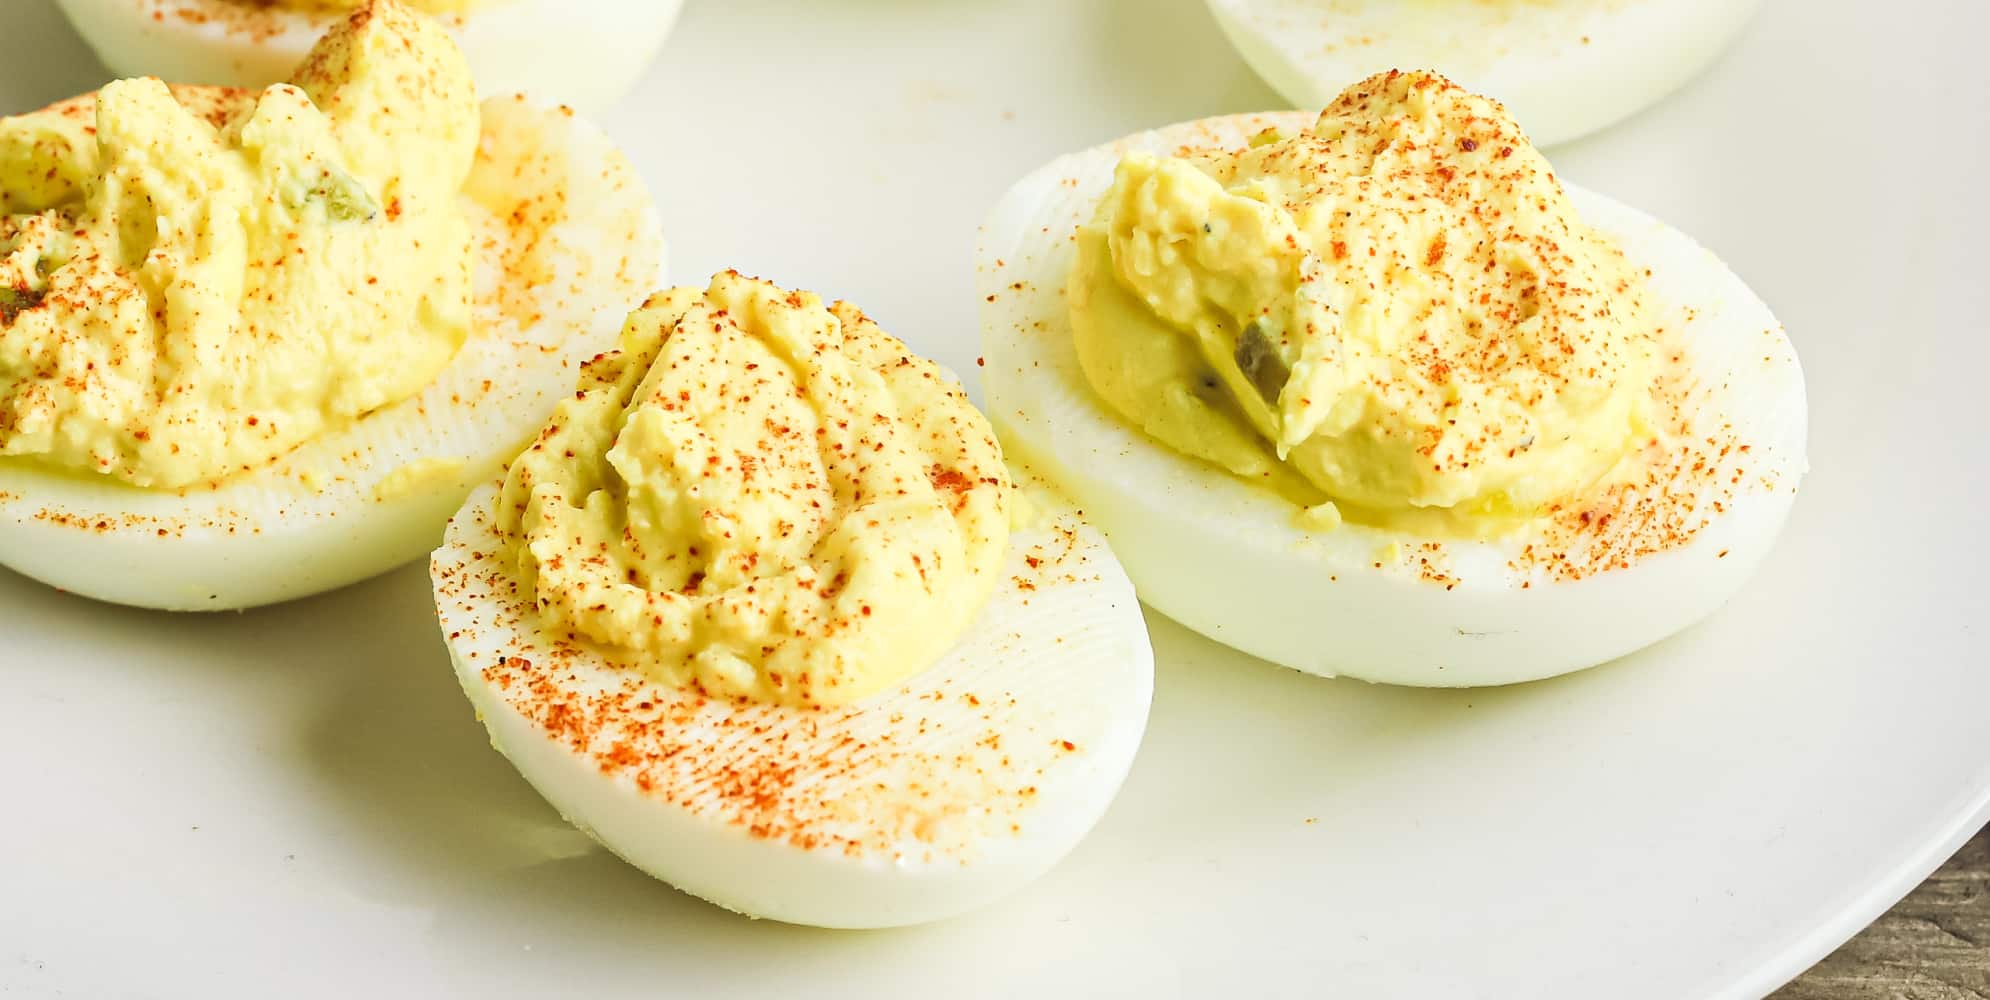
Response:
column 1935, row 945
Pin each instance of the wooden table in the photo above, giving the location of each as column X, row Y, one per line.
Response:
column 1935, row 945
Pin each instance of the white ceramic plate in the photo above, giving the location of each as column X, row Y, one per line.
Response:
column 297, row 801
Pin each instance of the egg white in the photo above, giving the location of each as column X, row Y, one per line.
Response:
column 1564, row 68
column 960, row 786
column 334, row 510
column 585, row 55
column 1233, row 561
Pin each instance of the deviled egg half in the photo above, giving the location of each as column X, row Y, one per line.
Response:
column 259, row 345
column 762, row 611
column 582, row 54
column 1372, row 393
column 1564, row 67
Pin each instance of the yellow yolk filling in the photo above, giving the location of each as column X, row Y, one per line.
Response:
column 764, row 497
column 193, row 281
column 425, row 6
column 1397, row 312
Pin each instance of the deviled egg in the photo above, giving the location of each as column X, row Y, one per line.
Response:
column 585, row 55
column 1372, row 393
column 761, row 610
column 1563, row 67
column 254, row 346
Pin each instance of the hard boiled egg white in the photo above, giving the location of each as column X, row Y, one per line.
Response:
column 568, row 244
column 1563, row 67
column 1238, row 564
column 958, row 787
column 586, row 55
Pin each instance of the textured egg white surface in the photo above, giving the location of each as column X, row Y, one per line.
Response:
column 297, row 801
column 328, row 513
column 1565, row 68
column 964, row 784
column 585, row 55
column 1232, row 561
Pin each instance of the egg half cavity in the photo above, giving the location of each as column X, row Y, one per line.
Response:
column 700, row 736
column 567, row 241
column 1250, row 568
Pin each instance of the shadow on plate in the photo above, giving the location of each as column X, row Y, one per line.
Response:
column 404, row 767
column 1234, row 740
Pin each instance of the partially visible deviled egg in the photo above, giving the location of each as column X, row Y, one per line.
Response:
column 1372, row 393
column 761, row 611
column 1563, row 67
column 584, row 54
column 255, row 346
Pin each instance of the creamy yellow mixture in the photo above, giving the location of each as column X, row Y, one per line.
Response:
column 1396, row 311
column 193, row 281
column 766, row 497
column 426, row 6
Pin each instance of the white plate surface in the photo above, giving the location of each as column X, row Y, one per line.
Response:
column 297, row 801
